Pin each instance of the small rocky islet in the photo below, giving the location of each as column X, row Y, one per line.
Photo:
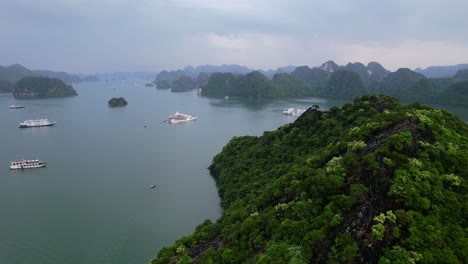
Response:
column 117, row 102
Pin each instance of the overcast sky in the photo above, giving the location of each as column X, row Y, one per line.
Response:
column 86, row 36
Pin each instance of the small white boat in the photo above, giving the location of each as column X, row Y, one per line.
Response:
column 16, row 107
column 36, row 123
column 26, row 164
column 152, row 186
column 179, row 117
column 294, row 111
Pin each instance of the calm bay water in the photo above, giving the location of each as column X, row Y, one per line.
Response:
column 93, row 204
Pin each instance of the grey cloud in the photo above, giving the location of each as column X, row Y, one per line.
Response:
column 87, row 36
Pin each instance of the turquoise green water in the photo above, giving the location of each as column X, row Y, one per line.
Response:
column 92, row 203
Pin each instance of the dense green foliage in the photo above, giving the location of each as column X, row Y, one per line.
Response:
column 6, row 86
column 252, row 85
column 329, row 80
column 461, row 75
column 165, row 79
column 220, row 84
column 183, row 84
column 42, row 87
column 411, row 86
column 180, row 81
column 377, row 71
column 425, row 90
column 303, row 81
column 295, row 86
column 314, row 76
column 115, row 102
column 370, row 182
column 399, row 81
column 345, row 84
column 456, row 94
column 362, row 71
column 256, row 85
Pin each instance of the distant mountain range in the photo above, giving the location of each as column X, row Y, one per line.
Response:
column 441, row 71
column 199, row 75
column 146, row 75
column 328, row 80
column 194, row 72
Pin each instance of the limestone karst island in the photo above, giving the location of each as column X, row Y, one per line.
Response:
column 41, row 87
column 373, row 181
column 117, row 102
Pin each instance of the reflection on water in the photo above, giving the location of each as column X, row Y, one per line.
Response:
column 262, row 104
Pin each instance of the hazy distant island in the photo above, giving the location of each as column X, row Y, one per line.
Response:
column 116, row 102
column 372, row 181
column 15, row 72
column 6, row 86
column 41, row 87
column 441, row 71
column 329, row 80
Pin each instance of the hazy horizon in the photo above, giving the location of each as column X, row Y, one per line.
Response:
column 84, row 36
column 195, row 66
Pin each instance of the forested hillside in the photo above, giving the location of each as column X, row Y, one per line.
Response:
column 41, row 87
column 329, row 80
column 6, row 86
column 253, row 85
column 371, row 182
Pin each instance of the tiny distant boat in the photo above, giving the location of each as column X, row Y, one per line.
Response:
column 36, row 123
column 26, row 164
column 16, row 107
column 153, row 186
column 294, row 111
column 179, row 117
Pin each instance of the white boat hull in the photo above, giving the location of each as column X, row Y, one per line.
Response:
column 179, row 117
column 26, row 164
column 294, row 111
column 36, row 123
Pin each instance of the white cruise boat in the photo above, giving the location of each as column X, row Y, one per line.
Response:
column 26, row 164
column 294, row 111
column 179, row 117
column 36, row 123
